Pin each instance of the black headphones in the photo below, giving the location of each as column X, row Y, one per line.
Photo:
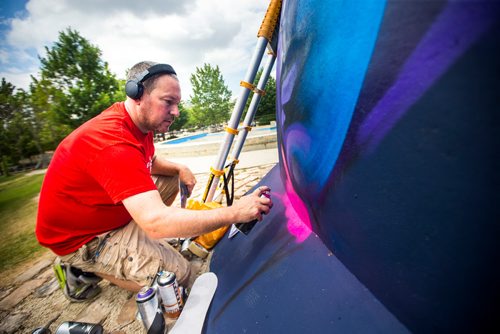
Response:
column 134, row 88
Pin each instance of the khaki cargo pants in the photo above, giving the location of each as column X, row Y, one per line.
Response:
column 129, row 254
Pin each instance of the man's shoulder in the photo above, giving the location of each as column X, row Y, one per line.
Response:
column 113, row 122
column 108, row 125
column 115, row 113
column 116, row 120
column 109, row 129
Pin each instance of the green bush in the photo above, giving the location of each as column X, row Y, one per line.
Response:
column 265, row 119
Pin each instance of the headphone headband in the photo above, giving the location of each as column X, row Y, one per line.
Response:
column 155, row 69
column 135, row 88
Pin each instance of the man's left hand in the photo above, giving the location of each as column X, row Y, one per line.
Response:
column 188, row 178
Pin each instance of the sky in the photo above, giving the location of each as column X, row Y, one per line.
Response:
column 185, row 34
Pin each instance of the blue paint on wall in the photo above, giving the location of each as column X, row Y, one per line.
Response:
column 333, row 54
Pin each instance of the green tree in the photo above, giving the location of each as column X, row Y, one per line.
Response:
column 211, row 99
column 8, row 106
column 191, row 122
column 266, row 109
column 17, row 140
column 78, row 82
column 47, row 128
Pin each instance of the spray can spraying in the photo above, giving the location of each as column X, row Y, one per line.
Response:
column 247, row 227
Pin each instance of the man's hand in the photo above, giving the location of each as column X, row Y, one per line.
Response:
column 252, row 206
column 188, row 178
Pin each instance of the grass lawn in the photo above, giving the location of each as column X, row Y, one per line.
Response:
column 18, row 208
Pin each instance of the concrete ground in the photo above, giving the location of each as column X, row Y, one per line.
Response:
column 30, row 296
column 248, row 159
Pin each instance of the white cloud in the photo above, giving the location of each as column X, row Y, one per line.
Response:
column 20, row 79
column 183, row 33
column 4, row 56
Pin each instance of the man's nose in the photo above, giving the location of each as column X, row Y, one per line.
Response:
column 175, row 111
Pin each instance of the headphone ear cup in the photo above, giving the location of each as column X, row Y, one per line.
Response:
column 134, row 89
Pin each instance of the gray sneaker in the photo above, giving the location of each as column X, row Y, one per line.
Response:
column 77, row 285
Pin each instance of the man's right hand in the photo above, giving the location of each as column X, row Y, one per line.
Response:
column 252, row 206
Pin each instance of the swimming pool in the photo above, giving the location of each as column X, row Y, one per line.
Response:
column 184, row 139
column 214, row 136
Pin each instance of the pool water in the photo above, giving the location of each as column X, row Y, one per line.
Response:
column 184, row 139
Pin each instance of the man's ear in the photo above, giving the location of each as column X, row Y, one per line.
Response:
column 138, row 101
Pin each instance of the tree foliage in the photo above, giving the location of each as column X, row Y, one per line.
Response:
column 16, row 131
column 77, row 81
column 211, row 99
column 8, row 107
column 47, row 127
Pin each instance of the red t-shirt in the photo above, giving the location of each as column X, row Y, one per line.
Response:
column 104, row 161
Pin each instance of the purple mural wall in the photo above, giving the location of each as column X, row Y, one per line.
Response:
column 386, row 205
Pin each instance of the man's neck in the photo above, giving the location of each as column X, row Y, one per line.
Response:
column 131, row 109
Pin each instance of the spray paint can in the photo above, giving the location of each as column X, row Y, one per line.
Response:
column 170, row 294
column 72, row 327
column 150, row 310
column 247, row 227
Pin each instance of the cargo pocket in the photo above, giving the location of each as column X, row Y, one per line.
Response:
column 107, row 257
column 140, row 268
column 82, row 257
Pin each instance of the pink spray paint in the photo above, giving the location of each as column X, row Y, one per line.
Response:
column 298, row 221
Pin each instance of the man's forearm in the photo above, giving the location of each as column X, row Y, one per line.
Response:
column 176, row 222
column 160, row 221
column 163, row 166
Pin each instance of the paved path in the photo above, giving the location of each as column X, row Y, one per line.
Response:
column 202, row 164
column 33, row 298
